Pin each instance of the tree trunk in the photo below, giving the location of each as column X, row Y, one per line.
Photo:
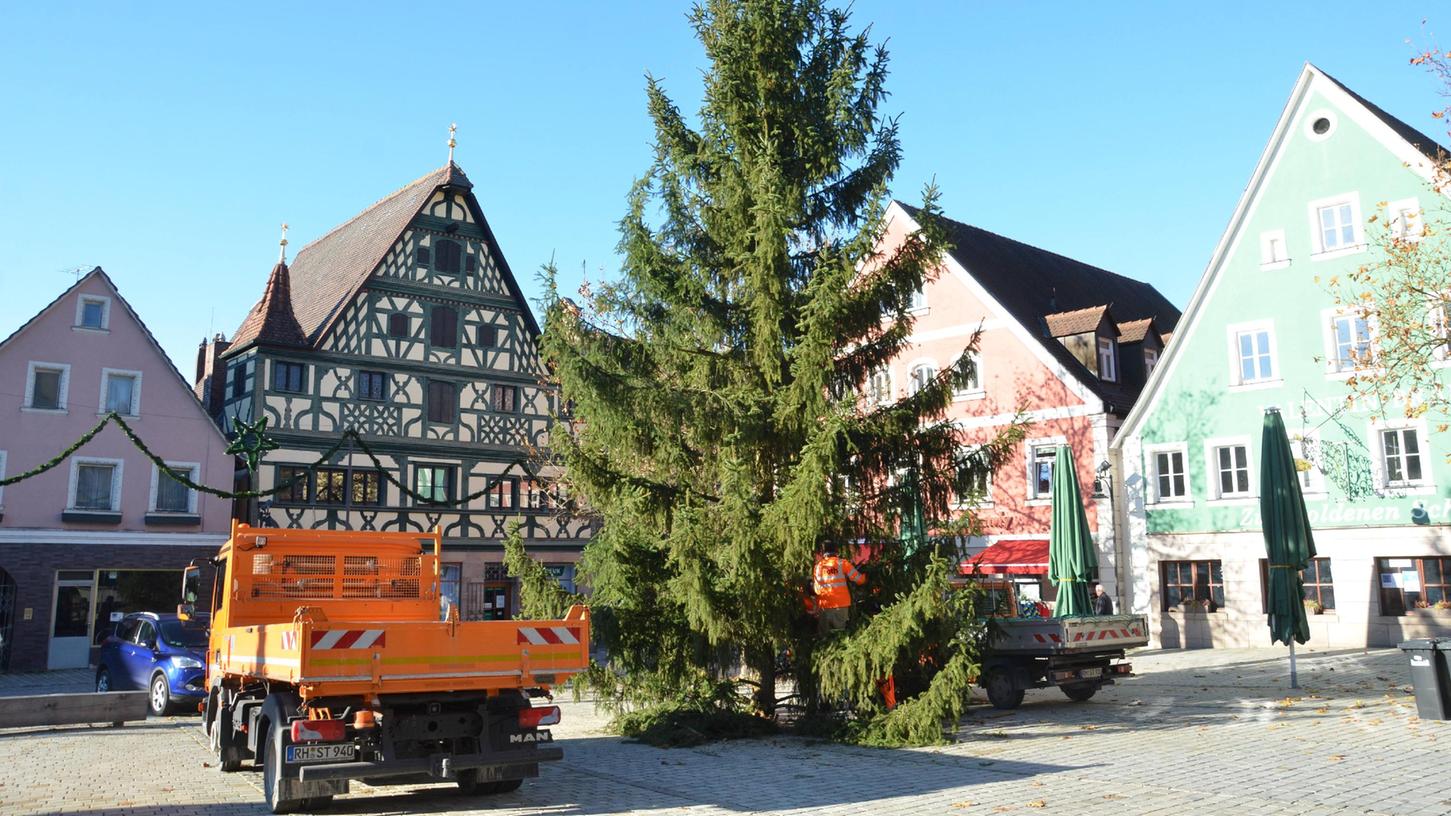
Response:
column 762, row 660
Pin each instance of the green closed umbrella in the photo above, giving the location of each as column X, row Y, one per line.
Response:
column 1072, row 559
column 1289, row 544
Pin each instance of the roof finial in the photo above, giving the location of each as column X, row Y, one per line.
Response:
column 282, row 251
column 452, row 142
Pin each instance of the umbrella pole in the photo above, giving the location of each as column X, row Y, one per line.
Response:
column 1294, row 679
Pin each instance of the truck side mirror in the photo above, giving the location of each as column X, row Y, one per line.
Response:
column 190, row 591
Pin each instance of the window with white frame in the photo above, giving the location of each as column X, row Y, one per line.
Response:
column 1350, row 342
column 921, row 376
column 1438, row 321
column 1402, row 461
column 1273, row 250
column 120, row 391
column 46, row 386
column 1151, row 359
column 1231, row 469
column 1169, row 474
column 1336, row 224
column 1405, row 216
column 974, row 481
column 971, row 384
column 93, row 313
column 1107, row 359
column 95, row 485
column 1253, row 347
column 1040, row 470
column 170, row 496
column 879, row 387
column 918, row 301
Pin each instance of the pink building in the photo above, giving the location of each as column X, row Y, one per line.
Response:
column 1066, row 344
column 104, row 532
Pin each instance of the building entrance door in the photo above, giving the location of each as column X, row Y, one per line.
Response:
column 70, row 635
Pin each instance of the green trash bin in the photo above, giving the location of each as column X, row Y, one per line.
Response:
column 1427, row 658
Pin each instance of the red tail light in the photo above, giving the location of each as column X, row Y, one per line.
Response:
column 319, row 731
column 535, row 717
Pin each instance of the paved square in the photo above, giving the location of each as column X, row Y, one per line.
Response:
column 1196, row 732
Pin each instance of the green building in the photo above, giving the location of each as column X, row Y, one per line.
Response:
column 1262, row 330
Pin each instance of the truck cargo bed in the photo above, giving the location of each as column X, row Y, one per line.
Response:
column 1060, row 635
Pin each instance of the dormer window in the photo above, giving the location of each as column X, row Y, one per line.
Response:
column 1107, row 360
column 1151, row 359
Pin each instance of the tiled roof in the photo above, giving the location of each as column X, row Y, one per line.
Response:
column 1134, row 331
column 1078, row 321
column 271, row 322
column 1032, row 283
column 328, row 272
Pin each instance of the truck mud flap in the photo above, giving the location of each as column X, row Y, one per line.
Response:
column 438, row 767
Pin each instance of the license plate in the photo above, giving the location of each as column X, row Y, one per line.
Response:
column 321, row 753
column 1087, row 673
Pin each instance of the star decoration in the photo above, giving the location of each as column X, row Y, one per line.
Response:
column 251, row 441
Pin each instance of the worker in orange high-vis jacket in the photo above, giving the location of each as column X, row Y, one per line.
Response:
column 833, row 596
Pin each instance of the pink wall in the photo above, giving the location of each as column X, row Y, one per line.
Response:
column 1012, row 377
column 170, row 420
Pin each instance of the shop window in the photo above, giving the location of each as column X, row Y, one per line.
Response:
column 1413, row 583
column 1318, row 584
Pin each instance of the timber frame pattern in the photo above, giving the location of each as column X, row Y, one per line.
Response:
column 431, row 356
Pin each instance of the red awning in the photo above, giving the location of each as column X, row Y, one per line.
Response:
column 1016, row 556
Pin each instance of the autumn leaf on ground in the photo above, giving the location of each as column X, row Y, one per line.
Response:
column 1038, row 803
column 1337, row 757
column 1323, row 710
column 1113, row 796
column 1087, row 728
column 1002, row 808
column 1357, row 704
column 962, row 805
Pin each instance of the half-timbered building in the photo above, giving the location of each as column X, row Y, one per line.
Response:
column 405, row 325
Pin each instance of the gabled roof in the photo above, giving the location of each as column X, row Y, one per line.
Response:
column 1419, row 152
column 327, row 273
column 1427, row 145
column 1077, row 321
column 271, row 322
column 130, row 312
column 1032, row 283
column 1134, row 331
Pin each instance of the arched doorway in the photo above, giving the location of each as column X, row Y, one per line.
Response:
column 7, row 617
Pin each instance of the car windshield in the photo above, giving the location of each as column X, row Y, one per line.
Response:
column 186, row 634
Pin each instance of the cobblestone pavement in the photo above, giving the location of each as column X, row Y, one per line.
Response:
column 1195, row 732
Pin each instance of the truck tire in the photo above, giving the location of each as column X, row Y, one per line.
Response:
column 1002, row 692
column 222, row 737
column 1080, row 692
column 272, row 774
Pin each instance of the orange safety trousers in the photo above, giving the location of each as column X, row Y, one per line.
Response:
column 829, row 579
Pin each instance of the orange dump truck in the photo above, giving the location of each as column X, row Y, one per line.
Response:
column 332, row 657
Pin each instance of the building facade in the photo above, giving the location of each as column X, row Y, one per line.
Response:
column 1263, row 331
column 1064, row 345
column 406, row 326
column 105, row 532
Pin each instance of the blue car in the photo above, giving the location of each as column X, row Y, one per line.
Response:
column 160, row 654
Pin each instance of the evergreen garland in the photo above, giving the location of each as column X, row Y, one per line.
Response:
column 348, row 437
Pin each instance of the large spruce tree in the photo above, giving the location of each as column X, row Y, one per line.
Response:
column 718, row 425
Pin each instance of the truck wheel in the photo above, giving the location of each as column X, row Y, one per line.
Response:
column 1002, row 692
column 272, row 775
column 1080, row 692
column 160, row 696
column 223, row 741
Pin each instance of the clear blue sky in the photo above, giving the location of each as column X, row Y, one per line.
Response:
column 166, row 143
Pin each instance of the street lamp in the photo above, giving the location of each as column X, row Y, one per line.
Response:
column 1102, row 485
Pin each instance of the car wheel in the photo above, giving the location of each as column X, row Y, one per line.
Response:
column 103, row 680
column 160, row 696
